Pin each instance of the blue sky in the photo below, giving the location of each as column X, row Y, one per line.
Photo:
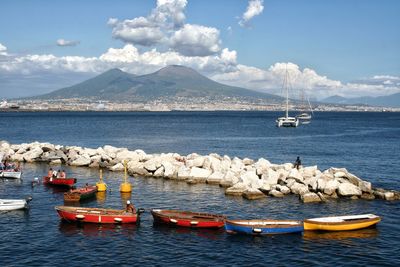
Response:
column 343, row 47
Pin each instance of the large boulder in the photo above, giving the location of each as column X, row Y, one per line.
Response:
column 169, row 169
column 365, row 186
column 125, row 154
column 152, row 165
column 183, row 173
column 252, row 194
column 262, row 166
column 83, row 160
column 275, row 193
column 236, row 190
column 331, row 187
column 33, row 154
column 196, row 172
column 270, row 177
column 215, row 178
column 295, row 174
column 310, row 197
column 117, row 167
column 348, row 190
column 198, row 162
column 230, row 179
column 309, row 171
column 299, row 189
column 159, row 172
column 251, row 179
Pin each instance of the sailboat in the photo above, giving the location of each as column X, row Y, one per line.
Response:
column 305, row 116
column 287, row 121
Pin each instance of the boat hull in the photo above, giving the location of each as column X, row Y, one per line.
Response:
column 80, row 194
column 10, row 174
column 287, row 122
column 263, row 227
column 96, row 215
column 13, row 204
column 345, row 225
column 66, row 182
column 188, row 219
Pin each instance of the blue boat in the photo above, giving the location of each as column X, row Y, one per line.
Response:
column 263, row 227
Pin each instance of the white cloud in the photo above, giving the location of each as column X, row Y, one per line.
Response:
column 196, row 40
column 254, row 8
column 62, row 42
column 3, row 50
column 153, row 29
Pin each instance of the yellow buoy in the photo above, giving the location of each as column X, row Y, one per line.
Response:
column 125, row 186
column 101, row 186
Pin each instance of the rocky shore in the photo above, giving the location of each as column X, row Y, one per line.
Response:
column 251, row 179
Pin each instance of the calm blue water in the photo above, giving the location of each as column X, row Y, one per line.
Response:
column 367, row 144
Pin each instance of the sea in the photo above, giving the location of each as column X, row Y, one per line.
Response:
column 366, row 144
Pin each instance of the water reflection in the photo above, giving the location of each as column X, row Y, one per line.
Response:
column 339, row 235
column 211, row 234
column 96, row 230
column 101, row 197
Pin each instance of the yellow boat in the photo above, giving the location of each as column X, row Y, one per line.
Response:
column 341, row 223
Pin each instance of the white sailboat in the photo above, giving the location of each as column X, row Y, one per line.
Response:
column 287, row 121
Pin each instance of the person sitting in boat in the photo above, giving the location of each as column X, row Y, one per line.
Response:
column 297, row 163
column 50, row 173
column 54, row 174
column 129, row 207
column 63, row 175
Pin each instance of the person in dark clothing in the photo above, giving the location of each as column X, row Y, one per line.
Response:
column 297, row 163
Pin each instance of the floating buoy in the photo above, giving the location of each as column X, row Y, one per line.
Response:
column 101, row 186
column 125, row 186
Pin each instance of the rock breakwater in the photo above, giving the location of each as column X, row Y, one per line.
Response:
column 251, row 179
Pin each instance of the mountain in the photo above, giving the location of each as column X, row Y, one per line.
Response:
column 169, row 82
column 380, row 101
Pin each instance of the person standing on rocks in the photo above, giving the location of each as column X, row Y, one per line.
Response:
column 297, row 163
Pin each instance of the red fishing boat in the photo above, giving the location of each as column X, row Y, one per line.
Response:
column 82, row 193
column 188, row 218
column 59, row 181
column 97, row 215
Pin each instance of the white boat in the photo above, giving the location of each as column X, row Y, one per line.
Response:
column 305, row 116
column 9, row 170
column 287, row 121
column 14, row 204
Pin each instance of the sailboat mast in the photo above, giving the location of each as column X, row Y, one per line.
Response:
column 287, row 93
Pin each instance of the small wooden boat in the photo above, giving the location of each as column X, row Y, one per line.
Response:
column 10, row 171
column 341, row 223
column 188, row 218
column 59, row 181
column 14, row 204
column 263, row 227
column 97, row 215
column 80, row 193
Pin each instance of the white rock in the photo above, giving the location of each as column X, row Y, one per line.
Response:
column 183, row 173
column 309, row 171
column 365, row 186
column 117, row 167
column 123, row 155
column 247, row 161
column 262, row 166
column 215, row 178
column 33, row 154
column 252, row 194
column 159, row 172
column 251, row 179
column 299, row 189
column 348, row 189
column 152, row 165
column 284, row 189
column 339, row 174
column 321, row 184
column 331, row 187
column 198, row 162
column 290, row 182
column 236, row 190
column 230, row 177
column 199, row 173
column 81, row 161
column 295, row 174
column 275, row 193
column 310, row 197
column 169, row 169
column 270, row 177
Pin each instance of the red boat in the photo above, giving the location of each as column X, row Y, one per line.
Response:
column 188, row 218
column 97, row 215
column 59, row 181
column 82, row 193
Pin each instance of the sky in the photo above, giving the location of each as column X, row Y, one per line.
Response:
column 343, row 47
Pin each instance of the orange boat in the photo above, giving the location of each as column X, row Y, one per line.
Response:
column 59, row 181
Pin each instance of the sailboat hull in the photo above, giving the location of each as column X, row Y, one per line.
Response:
column 287, row 122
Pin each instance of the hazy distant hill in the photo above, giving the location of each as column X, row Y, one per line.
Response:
column 171, row 81
column 383, row 101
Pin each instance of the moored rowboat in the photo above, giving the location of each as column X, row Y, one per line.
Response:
column 263, row 227
column 96, row 215
column 59, row 181
column 80, row 193
column 188, row 218
column 341, row 223
column 14, row 204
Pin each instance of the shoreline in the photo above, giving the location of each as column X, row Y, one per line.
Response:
column 251, row 179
